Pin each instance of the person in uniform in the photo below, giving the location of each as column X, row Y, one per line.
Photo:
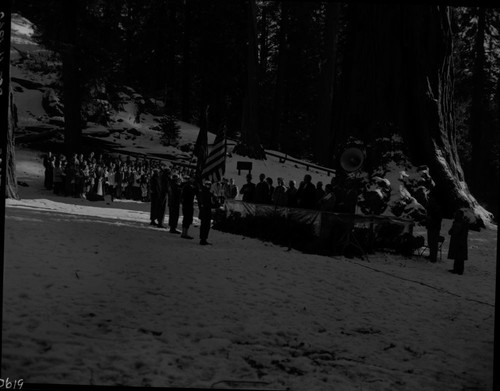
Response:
column 248, row 190
column 187, row 199
column 162, row 201
column 174, row 203
column 206, row 202
column 261, row 195
column 433, row 225
column 155, row 186
column 306, row 194
column 458, row 250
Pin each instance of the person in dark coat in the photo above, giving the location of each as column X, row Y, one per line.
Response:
column 174, row 203
column 327, row 202
column 162, row 202
column 306, row 194
column 433, row 225
column 155, row 190
column 248, row 190
column 187, row 199
column 320, row 192
column 291, row 195
column 48, row 163
column 279, row 196
column 269, row 199
column 261, row 190
column 206, row 202
column 231, row 190
column 458, row 242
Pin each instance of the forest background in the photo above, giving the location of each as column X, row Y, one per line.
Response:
column 297, row 77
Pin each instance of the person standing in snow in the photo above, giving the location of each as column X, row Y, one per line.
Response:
column 433, row 225
column 327, row 202
column 206, row 202
column 458, row 250
column 279, row 197
column 231, row 190
column 187, row 199
column 58, row 178
column 174, row 203
column 320, row 192
column 248, row 190
column 291, row 195
column 261, row 190
column 306, row 194
column 155, row 191
column 48, row 163
column 162, row 201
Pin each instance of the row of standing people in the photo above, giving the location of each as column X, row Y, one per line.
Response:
column 169, row 190
column 307, row 195
column 94, row 176
column 458, row 247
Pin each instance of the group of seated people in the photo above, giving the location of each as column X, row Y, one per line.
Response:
column 94, row 176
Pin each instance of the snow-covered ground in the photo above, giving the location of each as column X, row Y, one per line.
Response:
column 94, row 295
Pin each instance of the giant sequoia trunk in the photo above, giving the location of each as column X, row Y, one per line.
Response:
column 10, row 177
column 280, row 115
column 8, row 119
column 186, row 64
column 323, row 135
column 71, row 77
column 398, row 74
column 478, row 109
column 250, row 141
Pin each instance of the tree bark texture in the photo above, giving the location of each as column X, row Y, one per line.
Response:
column 479, row 168
column 71, row 76
column 186, row 64
column 250, row 141
column 213, row 82
column 280, row 115
column 11, row 179
column 398, row 75
column 323, row 135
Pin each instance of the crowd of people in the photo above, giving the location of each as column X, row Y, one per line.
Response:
column 94, row 176
column 306, row 196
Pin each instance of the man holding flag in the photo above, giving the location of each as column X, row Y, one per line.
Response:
column 211, row 166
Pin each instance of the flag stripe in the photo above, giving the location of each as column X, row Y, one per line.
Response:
column 215, row 163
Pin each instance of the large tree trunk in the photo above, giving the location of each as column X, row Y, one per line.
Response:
column 250, row 142
column 10, row 166
column 398, row 75
column 478, row 110
column 7, row 108
column 212, row 71
column 280, row 115
column 263, row 49
column 323, row 136
column 186, row 64
column 71, row 77
column 170, row 68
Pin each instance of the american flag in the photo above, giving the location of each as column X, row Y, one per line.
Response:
column 214, row 166
column 211, row 162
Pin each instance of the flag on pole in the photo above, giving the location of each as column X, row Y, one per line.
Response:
column 201, row 147
column 211, row 161
column 215, row 162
